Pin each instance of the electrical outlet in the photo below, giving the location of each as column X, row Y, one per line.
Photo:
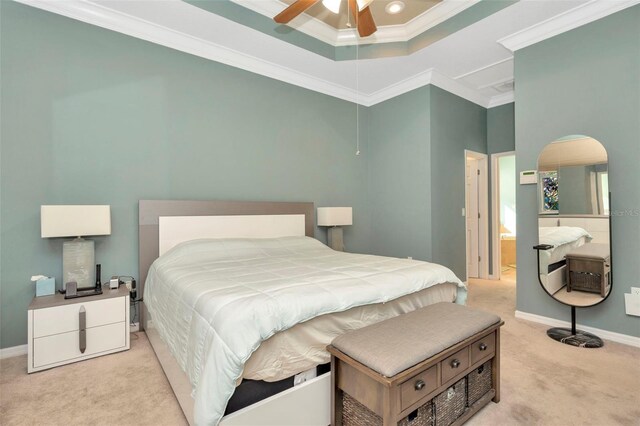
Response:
column 635, row 290
column 410, row 257
column 134, row 326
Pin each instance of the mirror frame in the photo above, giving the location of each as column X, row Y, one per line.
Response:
column 610, row 245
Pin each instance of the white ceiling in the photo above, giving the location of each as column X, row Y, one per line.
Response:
column 468, row 63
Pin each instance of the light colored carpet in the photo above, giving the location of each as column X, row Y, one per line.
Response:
column 548, row 383
column 127, row 388
column 576, row 297
column 543, row 382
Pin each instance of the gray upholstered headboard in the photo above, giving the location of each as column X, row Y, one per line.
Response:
column 149, row 212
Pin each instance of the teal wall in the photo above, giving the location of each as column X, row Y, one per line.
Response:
column 574, row 189
column 501, row 129
column 456, row 125
column 90, row 116
column 416, row 174
column 399, row 176
column 583, row 82
column 93, row 116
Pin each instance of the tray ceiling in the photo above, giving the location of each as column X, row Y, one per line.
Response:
column 322, row 32
column 474, row 62
column 412, row 9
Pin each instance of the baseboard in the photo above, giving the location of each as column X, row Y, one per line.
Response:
column 604, row 334
column 13, row 351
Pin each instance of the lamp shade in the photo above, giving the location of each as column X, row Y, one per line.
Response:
column 335, row 216
column 74, row 221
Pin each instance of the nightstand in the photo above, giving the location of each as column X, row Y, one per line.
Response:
column 57, row 335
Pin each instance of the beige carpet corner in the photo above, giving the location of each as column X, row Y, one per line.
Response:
column 543, row 382
column 127, row 388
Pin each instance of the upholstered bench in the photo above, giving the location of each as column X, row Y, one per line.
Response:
column 434, row 366
column 589, row 268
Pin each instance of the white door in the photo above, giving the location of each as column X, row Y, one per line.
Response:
column 472, row 217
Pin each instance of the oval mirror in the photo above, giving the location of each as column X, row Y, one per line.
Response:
column 573, row 221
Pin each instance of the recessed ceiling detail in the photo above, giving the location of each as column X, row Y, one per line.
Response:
column 338, row 21
column 318, row 30
column 472, row 62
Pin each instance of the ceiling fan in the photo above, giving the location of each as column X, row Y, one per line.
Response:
column 359, row 9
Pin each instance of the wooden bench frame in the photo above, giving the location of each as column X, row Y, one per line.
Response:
column 382, row 394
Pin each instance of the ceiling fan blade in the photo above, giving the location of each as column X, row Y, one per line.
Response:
column 364, row 19
column 366, row 25
column 294, row 10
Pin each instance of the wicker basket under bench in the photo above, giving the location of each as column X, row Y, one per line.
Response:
column 434, row 366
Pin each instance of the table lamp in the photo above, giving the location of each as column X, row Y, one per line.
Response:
column 335, row 217
column 78, row 255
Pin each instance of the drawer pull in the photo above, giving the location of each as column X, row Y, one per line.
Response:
column 82, row 326
column 455, row 363
column 482, row 347
column 419, row 385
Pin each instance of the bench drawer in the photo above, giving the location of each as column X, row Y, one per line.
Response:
column 482, row 348
column 455, row 364
column 418, row 386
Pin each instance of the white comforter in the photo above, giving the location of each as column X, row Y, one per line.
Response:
column 559, row 235
column 215, row 301
column 563, row 239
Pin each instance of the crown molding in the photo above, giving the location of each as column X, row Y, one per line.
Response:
column 457, row 88
column 399, row 88
column 94, row 14
column 569, row 20
column 503, row 99
column 436, row 15
column 349, row 37
column 304, row 23
column 430, row 76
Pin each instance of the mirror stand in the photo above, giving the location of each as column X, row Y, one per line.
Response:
column 570, row 336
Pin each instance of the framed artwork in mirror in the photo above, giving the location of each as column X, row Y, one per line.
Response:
column 548, row 192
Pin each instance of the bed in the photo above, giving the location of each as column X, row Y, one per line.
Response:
column 552, row 261
column 221, row 309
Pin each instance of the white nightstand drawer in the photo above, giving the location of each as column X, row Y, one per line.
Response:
column 65, row 347
column 63, row 319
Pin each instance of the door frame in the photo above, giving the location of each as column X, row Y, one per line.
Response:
column 496, row 251
column 483, row 209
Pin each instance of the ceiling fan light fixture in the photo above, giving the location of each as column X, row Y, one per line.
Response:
column 332, row 5
column 394, row 7
column 362, row 4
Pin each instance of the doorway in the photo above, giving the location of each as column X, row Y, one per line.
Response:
column 476, row 214
column 503, row 212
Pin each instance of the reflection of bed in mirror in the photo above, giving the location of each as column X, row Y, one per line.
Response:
column 166, row 286
column 552, row 261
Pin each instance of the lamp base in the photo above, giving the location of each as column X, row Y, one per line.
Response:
column 78, row 263
column 334, row 238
